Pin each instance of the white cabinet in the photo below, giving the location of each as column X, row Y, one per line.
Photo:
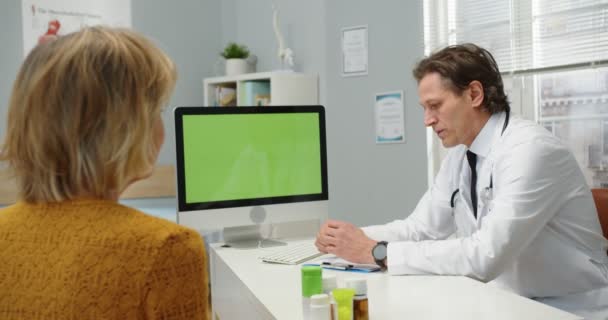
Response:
column 282, row 88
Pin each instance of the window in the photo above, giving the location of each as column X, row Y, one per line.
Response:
column 554, row 58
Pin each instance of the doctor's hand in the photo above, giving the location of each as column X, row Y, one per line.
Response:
column 346, row 241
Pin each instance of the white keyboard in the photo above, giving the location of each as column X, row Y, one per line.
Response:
column 294, row 253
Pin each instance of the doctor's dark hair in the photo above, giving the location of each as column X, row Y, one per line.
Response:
column 459, row 65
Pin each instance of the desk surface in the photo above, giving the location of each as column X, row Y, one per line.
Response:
column 278, row 289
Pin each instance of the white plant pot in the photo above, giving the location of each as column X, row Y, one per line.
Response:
column 236, row 66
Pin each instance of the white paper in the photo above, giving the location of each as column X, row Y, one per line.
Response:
column 40, row 16
column 389, row 113
column 354, row 51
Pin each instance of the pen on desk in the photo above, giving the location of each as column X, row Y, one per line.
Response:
column 337, row 266
column 326, row 264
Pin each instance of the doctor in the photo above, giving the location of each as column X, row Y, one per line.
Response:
column 509, row 204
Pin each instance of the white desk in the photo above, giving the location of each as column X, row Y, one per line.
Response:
column 245, row 288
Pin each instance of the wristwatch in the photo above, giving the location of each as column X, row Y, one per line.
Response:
column 379, row 253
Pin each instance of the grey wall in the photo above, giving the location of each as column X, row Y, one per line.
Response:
column 373, row 183
column 188, row 30
column 301, row 22
column 11, row 54
column 368, row 183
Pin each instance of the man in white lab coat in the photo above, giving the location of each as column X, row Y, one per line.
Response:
column 509, row 205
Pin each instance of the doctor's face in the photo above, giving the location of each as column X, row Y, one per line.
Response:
column 445, row 111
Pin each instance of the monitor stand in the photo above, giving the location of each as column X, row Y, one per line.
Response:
column 248, row 237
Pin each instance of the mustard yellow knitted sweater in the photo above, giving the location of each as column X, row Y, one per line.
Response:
column 95, row 259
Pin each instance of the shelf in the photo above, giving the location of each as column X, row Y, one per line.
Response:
column 286, row 88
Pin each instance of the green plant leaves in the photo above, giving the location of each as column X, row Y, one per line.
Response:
column 235, row 51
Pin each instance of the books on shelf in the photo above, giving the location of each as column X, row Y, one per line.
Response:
column 260, row 100
column 225, row 96
column 255, row 93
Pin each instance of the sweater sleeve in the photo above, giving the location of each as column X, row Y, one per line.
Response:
column 178, row 283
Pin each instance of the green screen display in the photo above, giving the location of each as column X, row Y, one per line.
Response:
column 248, row 156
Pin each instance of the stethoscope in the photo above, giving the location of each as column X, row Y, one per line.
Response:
column 488, row 189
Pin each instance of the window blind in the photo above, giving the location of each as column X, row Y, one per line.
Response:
column 554, row 58
column 523, row 35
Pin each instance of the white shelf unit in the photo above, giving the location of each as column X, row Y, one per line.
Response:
column 286, row 88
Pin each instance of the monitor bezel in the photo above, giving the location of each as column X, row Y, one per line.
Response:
column 183, row 206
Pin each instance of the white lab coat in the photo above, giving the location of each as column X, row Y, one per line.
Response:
column 537, row 232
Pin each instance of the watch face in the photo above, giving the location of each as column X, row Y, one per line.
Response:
column 379, row 251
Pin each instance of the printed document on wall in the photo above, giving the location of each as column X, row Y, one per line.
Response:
column 46, row 19
column 354, row 51
column 390, row 122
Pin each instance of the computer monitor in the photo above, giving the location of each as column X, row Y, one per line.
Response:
column 242, row 167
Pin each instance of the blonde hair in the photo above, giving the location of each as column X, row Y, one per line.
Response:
column 82, row 113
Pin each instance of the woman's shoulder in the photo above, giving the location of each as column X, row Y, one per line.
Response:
column 101, row 219
column 155, row 227
column 149, row 232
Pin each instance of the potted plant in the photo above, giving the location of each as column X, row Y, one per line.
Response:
column 235, row 55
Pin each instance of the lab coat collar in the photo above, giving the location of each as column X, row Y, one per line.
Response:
column 483, row 142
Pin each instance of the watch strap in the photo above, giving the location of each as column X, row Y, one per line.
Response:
column 380, row 260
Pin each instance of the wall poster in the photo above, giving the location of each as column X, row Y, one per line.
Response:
column 45, row 19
